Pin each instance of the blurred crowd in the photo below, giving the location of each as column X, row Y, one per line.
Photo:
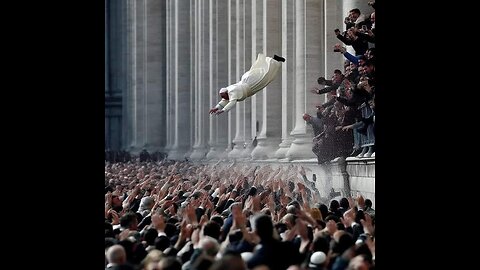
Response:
column 180, row 215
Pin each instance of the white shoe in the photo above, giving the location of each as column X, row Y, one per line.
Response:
column 373, row 155
column 362, row 154
column 367, row 155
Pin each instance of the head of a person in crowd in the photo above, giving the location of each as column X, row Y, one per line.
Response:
column 321, row 80
column 318, row 261
column 315, row 213
column 212, row 229
column 263, row 227
column 169, row 263
column 323, row 209
column 340, row 226
column 358, row 263
column 369, row 66
column 368, row 204
column 110, row 241
column 230, row 261
column 320, row 224
column 172, row 210
column 129, row 221
column 333, row 218
column 281, row 227
column 223, row 93
column 296, row 204
column 348, row 70
column 162, row 242
column 344, row 203
column 359, row 215
column 170, row 229
column 361, row 70
column 361, row 60
column 108, row 229
column 209, row 246
column 116, row 255
column 370, row 53
column 365, row 84
column 320, row 110
column 149, row 236
column 342, row 243
column 235, row 236
column 372, row 19
column 354, row 14
column 339, row 109
column 218, row 219
column 352, row 33
column 290, row 220
column 307, row 117
column 320, row 243
column 334, row 205
column 150, row 262
column 337, row 76
column 361, row 248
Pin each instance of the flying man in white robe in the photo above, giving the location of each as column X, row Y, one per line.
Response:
column 262, row 72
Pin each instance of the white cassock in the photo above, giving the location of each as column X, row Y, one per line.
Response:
column 262, row 72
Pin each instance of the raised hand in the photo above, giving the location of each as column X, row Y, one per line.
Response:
column 367, row 224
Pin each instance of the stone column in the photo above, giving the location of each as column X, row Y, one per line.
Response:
column 194, row 69
column 309, row 50
column 239, row 139
column 139, row 73
column 155, row 74
column 270, row 134
column 288, row 76
column 169, row 97
column 246, row 56
column 203, row 79
column 115, row 86
column 219, row 77
column 232, row 47
column 128, row 50
column 257, row 47
column 181, row 81
column 108, row 11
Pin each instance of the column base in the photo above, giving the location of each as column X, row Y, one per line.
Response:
column 265, row 149
column 198, row 153
column 236, row 153
column 282, row 151
column 301, row 148
column 178, row 154
column 216, row 154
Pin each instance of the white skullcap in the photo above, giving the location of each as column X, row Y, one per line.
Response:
column 246, row 256
column 317, row 258
column 223, row 90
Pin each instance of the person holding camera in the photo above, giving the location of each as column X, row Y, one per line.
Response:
column 359, row 43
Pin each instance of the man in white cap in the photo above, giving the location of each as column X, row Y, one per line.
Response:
column 262, row 72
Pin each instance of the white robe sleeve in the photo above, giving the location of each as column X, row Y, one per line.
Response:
column 222, row 104
column 230, row 105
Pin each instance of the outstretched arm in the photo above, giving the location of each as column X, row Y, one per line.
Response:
column 219, row 106
column 230, row 105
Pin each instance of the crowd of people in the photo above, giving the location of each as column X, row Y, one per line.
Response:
column 180, row 215
column 345, row 125
column 162, row 214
